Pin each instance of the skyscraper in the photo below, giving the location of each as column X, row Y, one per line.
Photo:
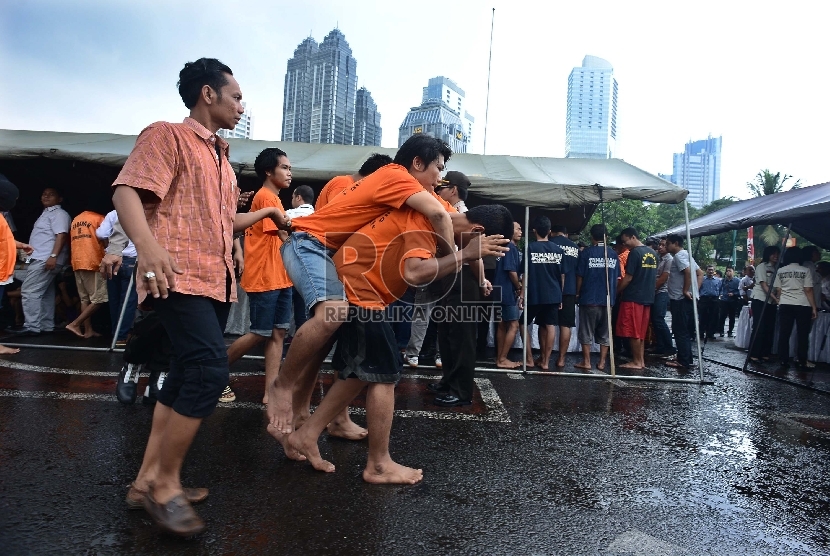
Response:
column 697, row 169
column 591, row 120
column 319, row 95
column 367, row 130
column 243, row 130
column 442, row 114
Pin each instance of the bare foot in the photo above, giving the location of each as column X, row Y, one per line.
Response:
column 310, row 450
column 347, row 429
column 92, row 334
column 281, row 438
column 530, row 364
column 601, row 366
column 560, row 364
column 280, row 413
column 583, row 365
column 543, row 366
column 8, row 351
column 390, row 473
column 632, row 365
column 507, row 364
column 75, row 329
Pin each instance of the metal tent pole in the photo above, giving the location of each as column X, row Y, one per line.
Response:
column 694, row 291
column 608, row 311
column 123, row 310
column 525, row 335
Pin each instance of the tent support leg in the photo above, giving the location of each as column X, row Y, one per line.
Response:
column 123, row 310
column 694, row 294
column 525, row 335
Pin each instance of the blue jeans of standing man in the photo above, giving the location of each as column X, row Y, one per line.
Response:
column 658, row 321
column 683, row 325
column 118, row 289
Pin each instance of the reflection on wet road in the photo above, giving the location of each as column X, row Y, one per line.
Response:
column 541, row 465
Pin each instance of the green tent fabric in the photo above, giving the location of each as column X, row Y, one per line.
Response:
column 551, row 183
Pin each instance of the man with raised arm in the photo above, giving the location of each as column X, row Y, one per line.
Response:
column 417, row 166
column 377, row 264
column 180, row 174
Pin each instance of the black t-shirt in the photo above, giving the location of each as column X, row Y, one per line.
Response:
column 642, row 266
column 544, row 273
column 571, row 251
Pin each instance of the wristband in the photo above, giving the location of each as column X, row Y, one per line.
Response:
column 53, row 256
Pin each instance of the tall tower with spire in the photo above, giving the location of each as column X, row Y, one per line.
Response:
column 320, row 89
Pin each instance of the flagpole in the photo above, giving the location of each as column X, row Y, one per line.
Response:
column 489, row 64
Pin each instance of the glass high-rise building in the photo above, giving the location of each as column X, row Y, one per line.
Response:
column 319, row 95
column 697, row 169
column 591, row 120
column 442, row 114
column 367, row 129
column 244, row 128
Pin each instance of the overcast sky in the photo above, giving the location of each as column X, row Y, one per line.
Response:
column 754, row 72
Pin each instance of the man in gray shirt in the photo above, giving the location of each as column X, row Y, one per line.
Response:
column 661, row 302
column 679, row 287
column 49, row 241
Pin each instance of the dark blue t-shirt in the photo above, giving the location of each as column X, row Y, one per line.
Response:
column 591, row 267
column 503, row 288
column 544, row 273
column 571, row 251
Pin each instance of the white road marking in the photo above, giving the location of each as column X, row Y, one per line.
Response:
column 496, row 413
column 793, row 420
column 638, row 543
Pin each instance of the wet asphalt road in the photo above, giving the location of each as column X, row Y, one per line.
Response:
column 544, row 465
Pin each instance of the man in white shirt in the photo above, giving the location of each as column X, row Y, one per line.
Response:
column 302, row 202
column 49, row 240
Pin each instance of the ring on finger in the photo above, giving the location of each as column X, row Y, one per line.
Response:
column 150, row 275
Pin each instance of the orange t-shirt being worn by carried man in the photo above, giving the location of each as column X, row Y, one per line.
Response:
column 339, row 183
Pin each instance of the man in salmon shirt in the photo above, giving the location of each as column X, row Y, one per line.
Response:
column 418, row 165
column 86, row 254
column 339, row 183
column 8, row 245
column 377, row 264
column 182, row 175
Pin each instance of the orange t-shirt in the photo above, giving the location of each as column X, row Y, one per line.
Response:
column 85, row 247
column 446, row 205
column 370, row 263
column 264, row 270
column 8, row 251
column 623, row 257
column 336, row 185
column 369, row 198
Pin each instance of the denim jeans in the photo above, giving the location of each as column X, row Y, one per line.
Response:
column 658, row 321
column 118, row 289
column 683, row 325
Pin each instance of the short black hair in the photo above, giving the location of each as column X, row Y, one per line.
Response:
column 769, row 251
column 792, row 255
column 675, row 238
column 559, row 229
column 807, row 252
column 496, row 219
column 630, row 232
column 424, row 147
column 375, row 162
column 195, row 75
column 598, row 232
column 58, row 190
column 541, row 224
column 305, row 192
column 266, row 161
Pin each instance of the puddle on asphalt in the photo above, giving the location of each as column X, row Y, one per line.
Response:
column 735, row 442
